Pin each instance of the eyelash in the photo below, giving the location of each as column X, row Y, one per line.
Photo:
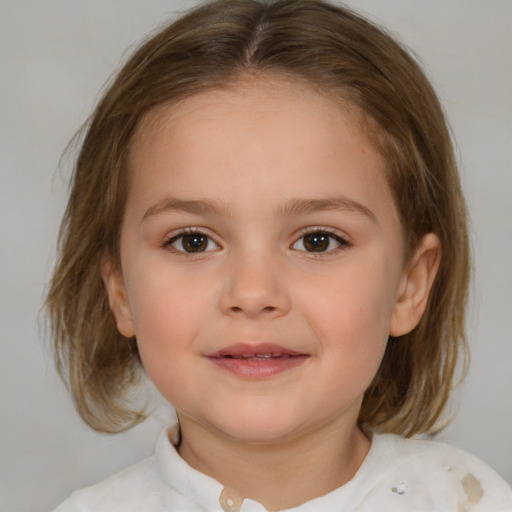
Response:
column 343, row 244
column 331, row 235
column 168, row 244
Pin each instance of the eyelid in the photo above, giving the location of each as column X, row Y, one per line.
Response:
column 340, row 238
column 337, row 235
column 176, row 234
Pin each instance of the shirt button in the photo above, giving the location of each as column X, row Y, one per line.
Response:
column 230, row 500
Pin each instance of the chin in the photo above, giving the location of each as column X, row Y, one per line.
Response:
column 257, row 430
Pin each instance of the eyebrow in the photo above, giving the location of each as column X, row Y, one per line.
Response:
column 344, row 204
column 194, row 206
column 293, row 207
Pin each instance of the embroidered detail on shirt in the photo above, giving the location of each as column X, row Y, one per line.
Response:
column 400, row 488
column 230, row 500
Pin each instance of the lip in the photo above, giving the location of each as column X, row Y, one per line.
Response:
column 258, row 361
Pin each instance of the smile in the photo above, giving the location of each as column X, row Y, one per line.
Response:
column 256, row 362
column 259, row 357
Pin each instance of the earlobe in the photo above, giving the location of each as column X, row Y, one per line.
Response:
column 416, row 285
column 117, row 297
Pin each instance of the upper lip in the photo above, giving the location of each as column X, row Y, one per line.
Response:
column 251, row 350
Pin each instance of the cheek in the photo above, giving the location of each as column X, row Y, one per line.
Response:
column 351, row 316
column 162, row 299
column 357, row 302
column 165, row 331
column 167, row 319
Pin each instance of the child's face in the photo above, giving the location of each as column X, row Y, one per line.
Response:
column 259, row 223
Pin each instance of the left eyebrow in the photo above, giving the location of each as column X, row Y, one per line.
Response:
column 344, row 204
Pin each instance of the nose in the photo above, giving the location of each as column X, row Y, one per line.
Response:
column 255, row 288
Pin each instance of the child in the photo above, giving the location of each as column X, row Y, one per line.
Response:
column 266, row 217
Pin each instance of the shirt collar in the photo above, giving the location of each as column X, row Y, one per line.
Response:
column 196, row 486
column 210, row 494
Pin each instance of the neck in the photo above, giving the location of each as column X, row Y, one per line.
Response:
column 279, row 475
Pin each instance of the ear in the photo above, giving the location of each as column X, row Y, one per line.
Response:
column 415, row 286
column 117, row 297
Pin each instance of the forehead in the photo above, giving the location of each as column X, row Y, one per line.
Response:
column 248, row 98
column 272, row 135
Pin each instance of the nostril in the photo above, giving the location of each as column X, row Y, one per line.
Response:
column 265, row 309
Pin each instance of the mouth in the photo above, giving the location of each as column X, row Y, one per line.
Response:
column 257, row 361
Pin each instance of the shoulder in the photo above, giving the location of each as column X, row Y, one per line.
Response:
column 447, row 476
column 159, row 483
column 125, row 491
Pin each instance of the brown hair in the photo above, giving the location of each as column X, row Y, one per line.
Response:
column 338, row 52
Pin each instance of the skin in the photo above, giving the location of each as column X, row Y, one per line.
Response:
column 259, row 160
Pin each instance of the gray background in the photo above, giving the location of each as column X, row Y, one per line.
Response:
column 56, row 55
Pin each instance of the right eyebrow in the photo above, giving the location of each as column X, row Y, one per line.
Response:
column 194, row 206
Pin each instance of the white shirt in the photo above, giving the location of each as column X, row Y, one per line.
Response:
column 397, row 475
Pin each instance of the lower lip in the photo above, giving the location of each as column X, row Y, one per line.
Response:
column 258, row 369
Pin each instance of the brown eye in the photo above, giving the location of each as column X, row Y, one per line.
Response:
column 316, row 242
column 319, row 241
column 192, row 243
column 195, row 243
